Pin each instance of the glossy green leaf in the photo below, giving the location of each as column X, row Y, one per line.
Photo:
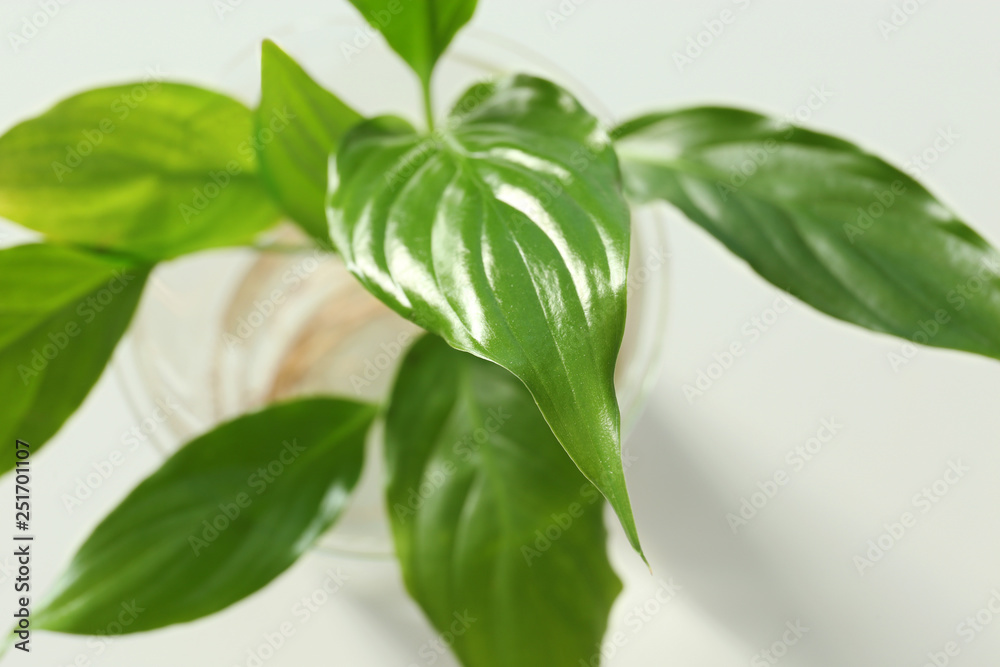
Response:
column 220, row 519
column 294, row 164
column 833, row 225
column 418, row 30
column 151, row 169
column 62, row 312
column 501, row 539
column 508, row 236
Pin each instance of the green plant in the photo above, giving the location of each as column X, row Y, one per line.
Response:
column 504, row 232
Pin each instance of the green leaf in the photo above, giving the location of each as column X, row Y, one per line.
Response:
column 151, row 169
column 501, row 539
column 508, row 236
column 418, row 30
column 219, row 520
column 833, row 225
column 294, row 164
column 61, row 315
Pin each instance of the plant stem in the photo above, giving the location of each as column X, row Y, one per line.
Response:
column 428, row 103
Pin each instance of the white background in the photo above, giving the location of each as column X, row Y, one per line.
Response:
column 696, row 459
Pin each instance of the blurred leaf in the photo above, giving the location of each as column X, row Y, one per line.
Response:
column 61, row 316
column 151, row 169
column 294, row 163
column 501, row 539
column 837, row 227
column 220, row 519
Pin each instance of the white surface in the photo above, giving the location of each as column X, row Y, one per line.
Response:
column 695, row 460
